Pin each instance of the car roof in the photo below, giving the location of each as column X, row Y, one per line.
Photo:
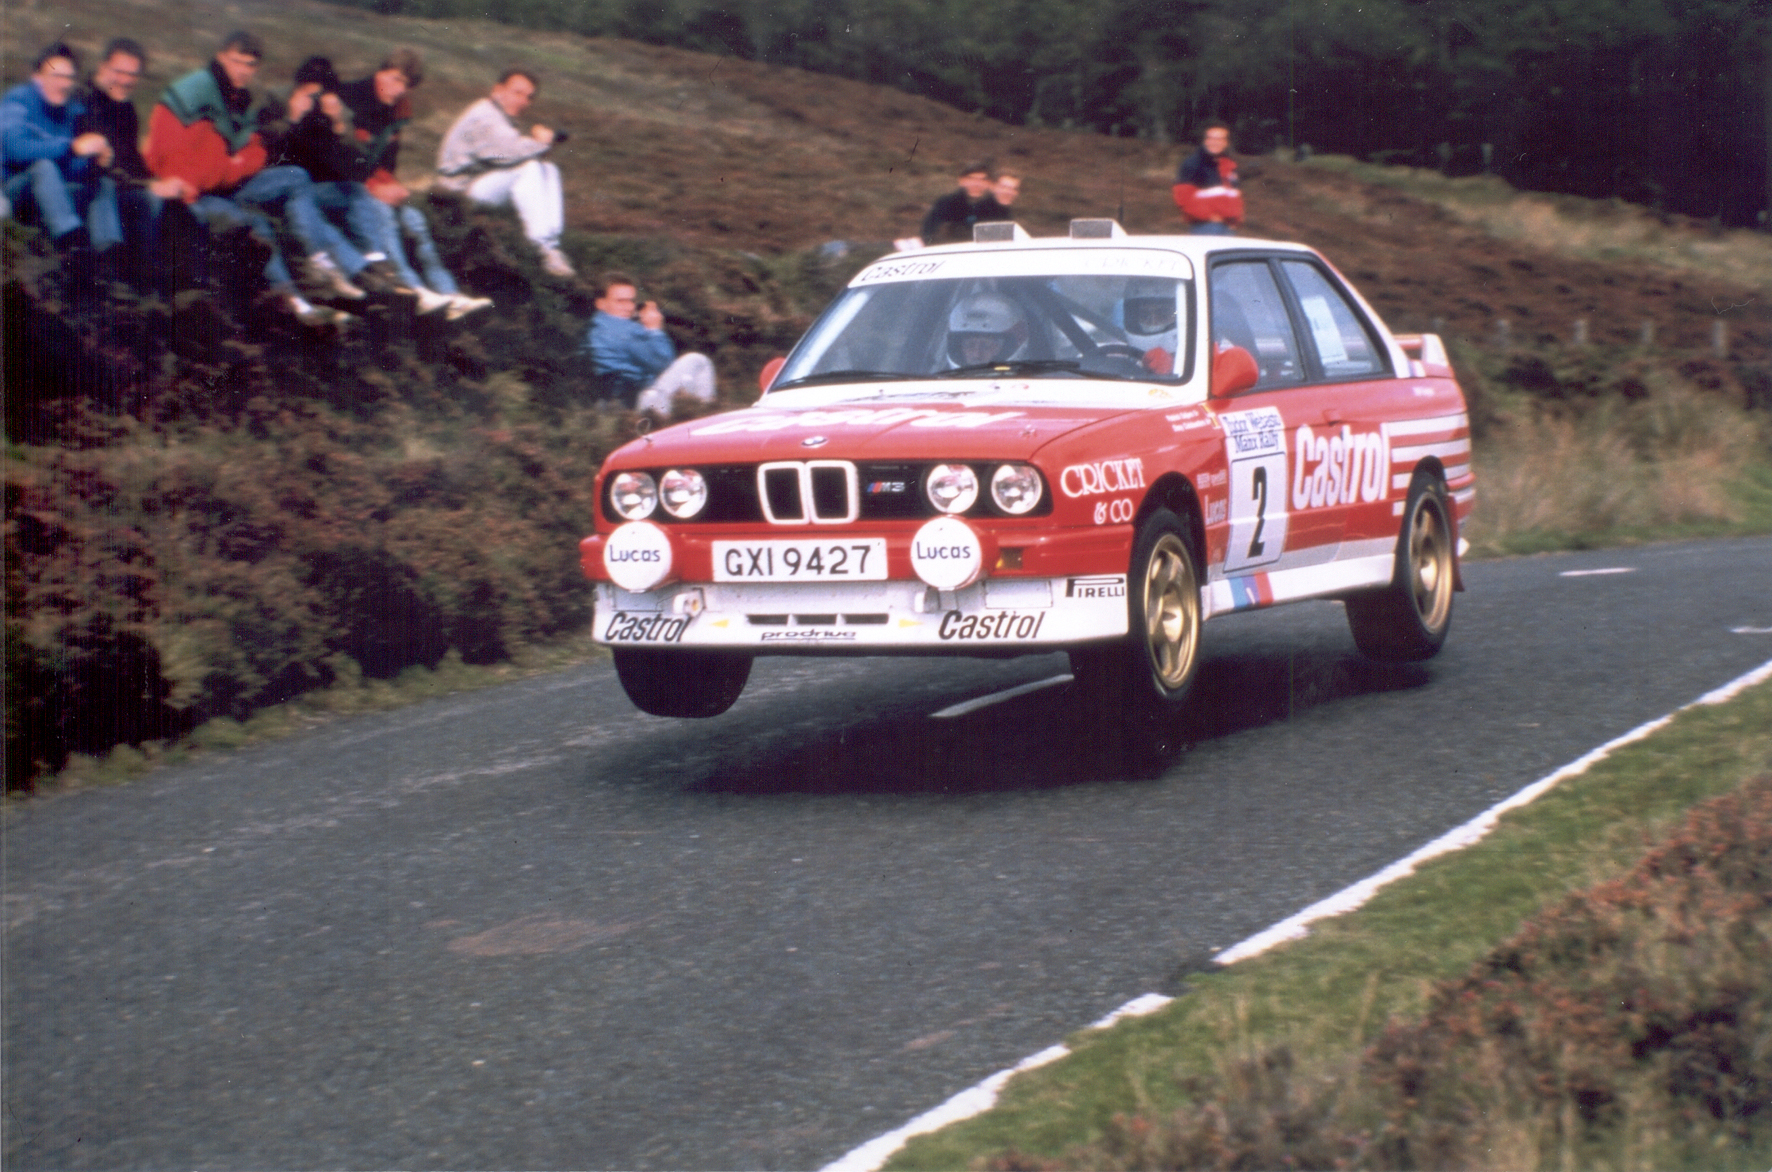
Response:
column 1086, row 235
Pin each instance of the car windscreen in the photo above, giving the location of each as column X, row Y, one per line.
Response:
column 1108, row 326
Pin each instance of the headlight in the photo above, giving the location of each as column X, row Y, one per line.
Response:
column 1015, row 488
column 952, row 488
column 684, row 492
column 634, row 495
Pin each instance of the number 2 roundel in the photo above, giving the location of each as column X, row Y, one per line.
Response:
column 1255, row 442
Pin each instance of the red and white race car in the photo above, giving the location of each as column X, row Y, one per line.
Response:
column 1092, row 444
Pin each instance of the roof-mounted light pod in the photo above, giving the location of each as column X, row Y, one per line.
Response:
column 1097, row 230
column 998, row 232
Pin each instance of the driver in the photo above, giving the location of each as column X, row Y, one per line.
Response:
column 1148, row 316
column 985, row 328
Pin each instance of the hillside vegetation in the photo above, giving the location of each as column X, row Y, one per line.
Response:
column 1651, row 101
column 207, row 516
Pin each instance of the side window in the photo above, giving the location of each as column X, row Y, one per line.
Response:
column 1343, row 345
column 1247, row 311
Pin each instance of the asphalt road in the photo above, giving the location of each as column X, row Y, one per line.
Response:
column 531, row 928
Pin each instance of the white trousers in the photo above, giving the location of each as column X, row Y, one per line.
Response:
column 690, row 374
column 534, row 187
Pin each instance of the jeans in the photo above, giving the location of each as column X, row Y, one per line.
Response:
column 534, row 188
column 1208, row 228
column 59, row 202
column 221, row 215
column 131, row 215
column 291, row 187
column 362, row 219
column 388, row 240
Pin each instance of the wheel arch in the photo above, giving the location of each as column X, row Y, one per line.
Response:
column 1432, row 465
column 1174, row 492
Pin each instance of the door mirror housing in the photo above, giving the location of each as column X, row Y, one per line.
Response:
column 1233, row 372
column 766, row 376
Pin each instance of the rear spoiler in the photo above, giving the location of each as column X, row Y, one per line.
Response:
column 1426, row 354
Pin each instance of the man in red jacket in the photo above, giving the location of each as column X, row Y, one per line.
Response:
column 1206, row 185
column 202, row 132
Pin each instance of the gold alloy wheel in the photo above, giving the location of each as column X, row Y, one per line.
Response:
column 1171, row 612
column 1430, row 562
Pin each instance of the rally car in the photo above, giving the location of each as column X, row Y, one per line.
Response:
column 1092, row 443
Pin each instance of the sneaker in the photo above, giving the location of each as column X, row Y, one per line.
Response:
column 322, row 275
column 429, row 302
column 316, row 316
column 461, row 305
column 380, row 278
column 555, row 262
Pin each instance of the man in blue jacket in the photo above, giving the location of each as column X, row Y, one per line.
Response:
column 48, row 165
column 634, row 358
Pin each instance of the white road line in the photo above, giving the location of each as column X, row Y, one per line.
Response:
column 976, row 1100
column 1349, row 898
column 1591, row 573
column 962, row 708
column 1750, row 630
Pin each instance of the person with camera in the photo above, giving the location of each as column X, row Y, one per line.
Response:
column 487, row 158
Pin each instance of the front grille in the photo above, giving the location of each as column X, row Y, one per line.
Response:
column 808, row 492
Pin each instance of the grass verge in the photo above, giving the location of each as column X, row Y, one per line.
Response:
column 1330, row 995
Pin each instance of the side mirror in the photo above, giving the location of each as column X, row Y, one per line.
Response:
column 769, row 371
column 1233, row 372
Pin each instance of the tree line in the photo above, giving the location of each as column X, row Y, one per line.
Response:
column 1660, row 102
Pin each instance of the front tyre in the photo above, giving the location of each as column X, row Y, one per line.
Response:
column 1408, row 620
column 1147, row 677
column 681, row 683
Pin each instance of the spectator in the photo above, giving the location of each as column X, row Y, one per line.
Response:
column 1004, row 193
column 634, row 359
column 315, row 134
column 379, row 108
column 201, row 132
column 487, row 158
column 135, row 219
column 1206, row 185
column 952, row 216
column 48, row 165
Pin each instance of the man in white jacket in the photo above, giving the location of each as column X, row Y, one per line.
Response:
column 488, row 159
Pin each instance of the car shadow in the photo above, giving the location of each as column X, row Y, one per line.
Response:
column 1042, row 740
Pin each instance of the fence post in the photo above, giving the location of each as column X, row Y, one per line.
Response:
column 1719, row 338
column 1581, row 331
column 1648, row 333
column 1503, row 336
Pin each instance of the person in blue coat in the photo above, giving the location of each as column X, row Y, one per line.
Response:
column 48, row 166
column 634, row 359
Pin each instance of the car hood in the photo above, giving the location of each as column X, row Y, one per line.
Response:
column 971, row 420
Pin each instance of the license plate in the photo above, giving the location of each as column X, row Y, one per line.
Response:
column 800, row 561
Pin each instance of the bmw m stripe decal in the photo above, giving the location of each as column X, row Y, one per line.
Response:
column 1254, row 590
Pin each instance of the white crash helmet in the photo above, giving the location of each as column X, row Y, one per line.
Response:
column 1148, row 310
column 981, row 317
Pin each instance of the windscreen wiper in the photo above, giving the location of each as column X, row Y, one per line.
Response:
column 845, row 376
column 1011, row 367
column 1036, row 366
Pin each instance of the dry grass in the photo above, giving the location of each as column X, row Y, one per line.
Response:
column 1566, row 225
column 1674, row 459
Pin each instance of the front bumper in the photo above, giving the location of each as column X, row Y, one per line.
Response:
column 994, row 615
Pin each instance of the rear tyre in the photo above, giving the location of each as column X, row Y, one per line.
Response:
column 1408, row 620
column 681, row 683
column 1145, row 679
